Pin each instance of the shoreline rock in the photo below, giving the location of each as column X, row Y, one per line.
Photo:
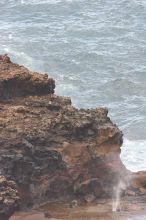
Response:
column 9, row 199
column 18, row 81
column 52, row 150
column 130, row 209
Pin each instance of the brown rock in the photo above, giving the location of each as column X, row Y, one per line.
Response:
column 130, row 193
column 89, row 198
column 47, row 215
column 138, row 182
column 51, row 149
column 5, row 59
column 142, row 190
column 9, row 200
column 17, row 81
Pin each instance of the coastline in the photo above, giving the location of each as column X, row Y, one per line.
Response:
column 56, row 152
column 102, row 210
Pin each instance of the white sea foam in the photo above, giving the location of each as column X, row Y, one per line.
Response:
column 6, row 49
column 133, row 154
column 10, row 36
column 37, row 2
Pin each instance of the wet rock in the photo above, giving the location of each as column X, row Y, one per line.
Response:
column 130, row 193
column 90, row 185
column 47, row 215
column 89, row 198
column 138, row 182
column 73, row 204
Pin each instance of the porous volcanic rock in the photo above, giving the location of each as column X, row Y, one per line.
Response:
column 9, row 200
column 138, row 183
column 51, row 149
column 18, row 81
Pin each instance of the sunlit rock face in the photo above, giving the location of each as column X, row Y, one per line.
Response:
column 9, row 200
column 51, row 149
column 138, row 183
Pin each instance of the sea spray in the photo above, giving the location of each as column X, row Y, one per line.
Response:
column 118, row 189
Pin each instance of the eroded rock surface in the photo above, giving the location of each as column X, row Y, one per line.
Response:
column 138, row 183
column 9, row 200
column 18, row 81
column 51, row 149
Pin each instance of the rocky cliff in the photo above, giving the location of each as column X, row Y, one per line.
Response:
column 51, row 149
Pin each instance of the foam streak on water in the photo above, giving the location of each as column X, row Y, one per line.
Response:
column 94, row 49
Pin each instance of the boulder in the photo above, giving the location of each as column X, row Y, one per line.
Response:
column 138, row 182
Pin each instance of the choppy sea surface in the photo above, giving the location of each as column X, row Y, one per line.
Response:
column 95, row 50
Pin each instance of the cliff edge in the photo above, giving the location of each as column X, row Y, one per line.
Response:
column 52, row 150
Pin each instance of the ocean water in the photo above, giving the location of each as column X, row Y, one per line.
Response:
column 96, row 52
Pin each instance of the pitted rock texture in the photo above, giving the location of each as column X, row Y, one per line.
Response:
column 9, row 199
column 51, row 149
column 18, row 81
column 138, row 183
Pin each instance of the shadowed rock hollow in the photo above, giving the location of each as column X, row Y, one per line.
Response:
column 51, row 149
